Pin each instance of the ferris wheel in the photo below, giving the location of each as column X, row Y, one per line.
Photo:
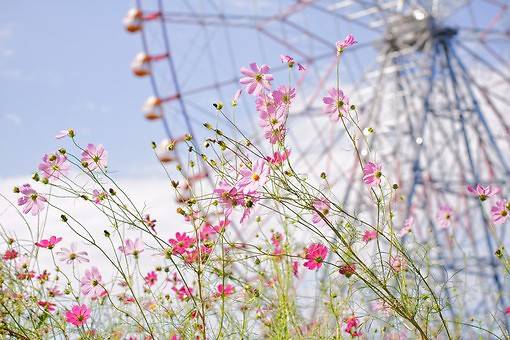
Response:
column 431, row 77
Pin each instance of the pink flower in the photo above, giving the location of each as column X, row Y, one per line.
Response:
column 235, row 99
column 369, row 235
column 500, row 211
column 78, row 315
column 91, row 284
column 336, row 104
column 445, row 216
column 398, row 263
column 352, row 326
column 54, row 166
column 151, row 278
column 372, row 174
column 181, row 243
column 251, row 197
column 278, row 157
column 224, row 291
column 255, row 178
column 316, row 253
column 283, row 97
column 10, row 254
column 229, row 197
column 207, row 232
column 256, row 79
column 72, row 255
column 483, row 192
column 64, row 133
column 183, row 293
column 291, row 62
column 275, row 135
column 507, row 310
column 99, row 196
column 131, row 247
column 347, row 269
column 95, row 156
column 347, row 42
column 322, row 206
column 32, row 201
column 48, row 306
column 221, row 226
column 407, row 228
column 50, row 243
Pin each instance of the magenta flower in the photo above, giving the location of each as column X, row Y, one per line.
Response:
column 372, row 174
column 235, row 99
column 131, row 247
column 207, row 232
column 369, row 235
column 78, row 315
column 72, row 255
column 256, row 79
column 445, row 216
column 483, row 192
column 499, row 212
column 316, row 253
column 336, row 104
column 347, row 42
column 10, row 254
column 398, row 263
column 407, row 228
column 183, row 293
column 181, row 243
column 224, row 290
column 32, row 201
column 353, row 326
column 47, row 306
column 91, row 284
column 54, row 166
column 50, row 243
column 95, row 156
column 229, row 197
column 291, row 62
column 253, row 179
column 278, row 157
column 151, row 278
column 322, row 206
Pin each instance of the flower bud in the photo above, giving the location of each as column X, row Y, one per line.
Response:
column 63, row 218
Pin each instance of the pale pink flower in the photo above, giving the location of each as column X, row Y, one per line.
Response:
column 336, row 104
column 500, row 211
column 22, row 263
column 131, row 247
column 55, row 165
column 322, row 206
column 407, row 228
column 251, row 197
column 72, row 255
column 78, row 315
column 95, row 156
column 398, row 263
column 256, row 79
column 47, row 306
column 316, row 253
column 445, row 216
column 272, row 119
column 64, row 133
column 32, row 201
column 291, row 62
column 283, row 97
column 91, row 284
column 229, row 196
column 151, row 278
column 235, row 99
column 181, row 243
column 224, row 290
column 275, row 135
column 253, row 179
column 278, row 157
column 369, row 235
column 352, row 326
column 99, row 196
column 347, row 42
column 49, row 243
column 372, row 174
column 483, row 192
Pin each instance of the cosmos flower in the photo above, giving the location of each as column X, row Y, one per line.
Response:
column 54, row 166
column 131, row 247
column 352, row 326
column 445, row 216
column 278, row 157
column 91, row 284
column 236, row 96
column 72, row 255
column 407, row 228
column 253, row 179
column 32, row 201
column 229, row 196
column 316, row 253
column 337, row 103
column 78, row 315
column 369, row 235
column 398, row 263
column 64, row 133
column 347, row 269
column 256, row 78
column 322, row 206
column 151, row 278
column 181, row 243
column 224, row 290
column 49, row 243
column 347, row 42
column 499, row 211
column 483, row 192
column 287, row 59
column 95, row 156
column 372, row 174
